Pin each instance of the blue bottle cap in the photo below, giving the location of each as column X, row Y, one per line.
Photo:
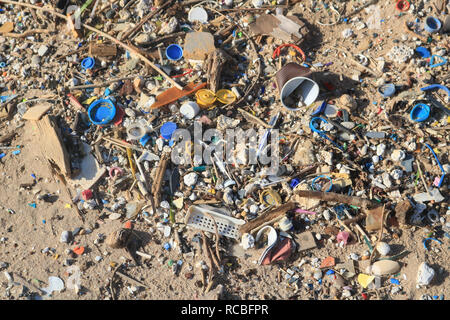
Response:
column 174, row 52
column 167, row 130
column 420, row 112
column 101, row 111
column 143, row 141
column 88, row 63
column 423, row 52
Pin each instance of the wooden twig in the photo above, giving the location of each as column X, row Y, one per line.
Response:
column 421, row 176
column 100, row 85
column 111, row 284
column 162, row 39
column 26, row 33
column 144, row 20
column 132, row 280
column 267, row 216
column 254, row 119
column 208, row 250
column 217, row 236
column 157, row 181
column 336, row 197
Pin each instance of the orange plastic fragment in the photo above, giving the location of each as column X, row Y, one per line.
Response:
column 78, row 250
column 328, row 262
column 173, row 94
column 128, row 225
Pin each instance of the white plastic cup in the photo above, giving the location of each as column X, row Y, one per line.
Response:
column 309, row 91
column 136, row 131
column 189, row 109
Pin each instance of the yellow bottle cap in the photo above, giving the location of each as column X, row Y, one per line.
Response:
column 226, row 96
column 205, row 97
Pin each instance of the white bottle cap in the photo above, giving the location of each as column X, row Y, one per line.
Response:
column 189, row 109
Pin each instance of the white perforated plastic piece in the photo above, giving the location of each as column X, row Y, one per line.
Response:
column 226, row 226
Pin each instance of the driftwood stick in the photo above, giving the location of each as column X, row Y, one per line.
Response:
column 214, row 64
column 26, row 33
column 134, row 281
column 111, row 284
column 210, row 260
column 336, row 197
column 254, row 118
column 157, row 184
column 162, row 39
column 267, row 216
column 208, row 250
column 144, row 20
column 103, row 84
column 217, row 236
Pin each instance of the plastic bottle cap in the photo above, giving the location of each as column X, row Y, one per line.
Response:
column 205, row 98
column 174, row 52
column 226, row 96
column 423, row 52
column 88, row 63
column 198, row 14
column 420, row 112
column 101, row 111
column 167, row 130
column 189, row 109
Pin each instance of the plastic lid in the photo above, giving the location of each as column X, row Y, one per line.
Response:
column 88, row 63
column 174, row 52
column 420, row 112
column 198, row 14
column 101, row 111
column 167, row 130
column 205, row 97
column 226, row 96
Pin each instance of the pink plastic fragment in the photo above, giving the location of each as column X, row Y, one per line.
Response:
column 436, row 181
column 304, row 211
column 343, row 236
